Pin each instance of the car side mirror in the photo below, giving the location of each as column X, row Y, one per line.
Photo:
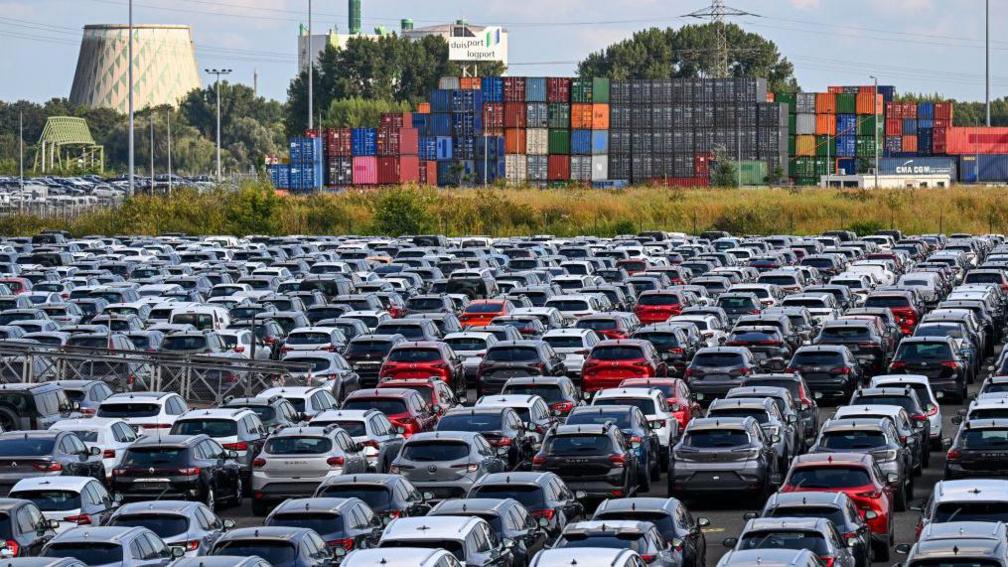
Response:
column 957, row 419
column 400, row 429
column 750, row 516
column 177, row 551
column 790, row 419
column 892, row 478
column 775, row 438
column 946, row 443
column 502, row 451
column 428, row 496
column 729, row 542
column 94, row 451
column 702, row 522
column 508, row 543
column 902, row 548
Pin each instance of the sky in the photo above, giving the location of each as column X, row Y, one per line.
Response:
column 917, row 45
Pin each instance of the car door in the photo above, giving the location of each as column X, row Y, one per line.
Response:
column 212, row 526
column 33, row 529
column 74, row 456
column 160, row 554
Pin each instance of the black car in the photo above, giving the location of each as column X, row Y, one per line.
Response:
column 500, row 426
column 860, row 337
column 23, row 528
column 834, row 506
column 508, row 519
column 25, row 454
column 183, row 467
column 671, row 518
column 365, row 354
column 595, row 460
column 831, row 371
column 509, row 359
column 543, row 494
column 937, row 358
column 672, row 344
column 715, row 370
column 978, row 450
column 346, row 523
column 280, row 546
column 389, row 496
column 635, row 427
column 766, row 343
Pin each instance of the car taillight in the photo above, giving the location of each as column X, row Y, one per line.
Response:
column 239, row 446
column 192, row 545
column 635, row 439
column 548, row 513
column 953, row 454
column 335, row 461
column 689, row 372
column 918, row 417
column 468, row 467
column 649, row 557
column 676, row 350
column 108, row 454
column 562, row 407
column 950, row 364
column 538, row 460
column 932, row 410
column 827, row 560
column 80, row 519
column 618, row 460
column 503, row 442
column 870, row 494
column 189, row 471
column 744, row 371
column 47, row 467
column 88, row 411
column 897, row 365
column 13, row 547
column 155, row 425
column 238, row 348
column 285, row 349
column 841, row 370
column 259, row 463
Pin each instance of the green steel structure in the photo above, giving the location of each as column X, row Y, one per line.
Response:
column 66, row 142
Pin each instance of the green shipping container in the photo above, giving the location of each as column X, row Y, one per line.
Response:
column 559, row 142
column 865, row 146
column 865, row 125
column 791, row 145
column 846, row 103
column 788, row 98
column 792, row 127
column 824, row 166
column 753, row 172
column 558, row 115
column 806, row 181
column 825, row 146
column 600, row 90
column 581, row 91
column 802, row 167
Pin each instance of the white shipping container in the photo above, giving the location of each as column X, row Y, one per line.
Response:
column 446, row 83
column 537, row 141
column 805, row 123
column 581, row 168
column 600, row 168
column 516, row 168
column 805, row 102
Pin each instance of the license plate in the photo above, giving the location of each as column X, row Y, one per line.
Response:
column 698, row 396
column 154, row 480
column 576, row 461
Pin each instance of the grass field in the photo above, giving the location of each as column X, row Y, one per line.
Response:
column 255, row 209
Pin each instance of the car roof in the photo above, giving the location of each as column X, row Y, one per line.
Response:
column 117, row 534
column 811, row 459
column 572, row 557
column 975, row 489
column 285, row 533
column 768, row 558
column 393, row 556
column 76, row 483
column 640, row 503
column 427, row 527
column 316, row 504
column 807, row 498
column 466, row 436
column 816, row 524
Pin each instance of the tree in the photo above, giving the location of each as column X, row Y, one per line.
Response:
column 360, row 113
column 690, row 51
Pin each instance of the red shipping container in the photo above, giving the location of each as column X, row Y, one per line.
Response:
column 943, row 111
column 515, row 141
column 558, row 168
column 311, row 133
column 514, row 89
column 941, row 123
column 893, row 126
column 893, row 110
column 493, row 114
column 428, row 172
column 499, row 132
column 939, row 144
column 701, row 164
column 397, row 119
column 515, row 113
column 558, row 89
column 337, row 142
column 398, row 141
column 910, row 143
column 910, row 110
column 365, row 170
column 396, row 170
column 977, row 140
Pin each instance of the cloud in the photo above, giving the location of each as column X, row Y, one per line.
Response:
column 805, row 4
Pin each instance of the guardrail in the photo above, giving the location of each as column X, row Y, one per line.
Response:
column 200, row 379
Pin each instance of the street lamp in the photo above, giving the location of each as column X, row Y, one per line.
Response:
column 130, row 75
column 217, row 74
column 876, row 126
column 311, row 69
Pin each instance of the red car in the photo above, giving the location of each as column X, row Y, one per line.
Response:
column 423, row 359
column 17, row 285
column 901, row 304
column 610, row 362
column 856, row 475
column 482, row 311
column 436, row 393
column 403, row 407
column 656, row 306
column 607, row 325
column 677, row 394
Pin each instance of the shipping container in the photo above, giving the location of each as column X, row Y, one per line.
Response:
column 805, row 103
column 867, row 126
column 467, row 124
column 805, row 146
column 422, row 123
column 516, row 168
column 909, row 126
column 515, row 141
column 893, row 144
column 846, row 124
column 365, row 170
column 581, row 142
column 826, row 146
column 825, row 103
column 305, row 149
column 514, row 89
column 397, row 141
column 825, row 124
column 846, row 103
column 397, row 120
column 559, row 142
column 428, row 148
column 581, row 91
column 338, row 142
column 600, row 116
column 470, row 83
column 865, row 146
column 983, row 168
column 538, row 168
column 867, row 103
column 846, row 166
column 559, row 115
column 537, row 115
column 919, row 166
column 423, row 108
column 440, row 124
column 581, row 116
column 580, row 168
column 449, row 83
column 909, row 143
column 339, row 172
column 441, row 100
column 535, row 89
column 600, row 168
column 537, row 141
column 846, row 146
column 515, row 114
column 600, row 90
column 364, row 141
column 600, row 142
column 893, row 126
column 428, row 173
column 558, row 90
column 943, row 111
column 280, row 175
column 559, row 168
column 493, row 115
column 493, row 89
column 976, row 140
column 805, row 123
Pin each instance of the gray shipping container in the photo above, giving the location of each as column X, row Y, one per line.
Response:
column 581, row 168
column 538, row 168
column 600, row 168
column 805, row 103
column 536, row 115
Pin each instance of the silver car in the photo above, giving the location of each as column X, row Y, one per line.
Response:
column 447, row 463
column 177, row 522
column 766, row 412
column 113, row 547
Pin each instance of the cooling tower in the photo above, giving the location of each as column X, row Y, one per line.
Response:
column 164, row 66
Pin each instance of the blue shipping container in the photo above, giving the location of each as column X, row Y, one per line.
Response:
column 925, row 139
column 599, row 142
column 846, row 124
column 491, row 146
column 928, row 165
column 846, row 146
column 581, row 142
column 535, row 89
column 983, row 168
column 444, row 148
column 280, row 175
column 493, row 89
column 924, row 123
column 363, row 142
column 428, row 148
column 441, row 100
column 888, row 92
column 467, row 101
column 909, row 126
column 305, row 150
column 925, row 111
column 467, row 124
column 494, row 170
column 447, row 175
column 441, row 124
column 464, row 148
column 847, row 165
column 422, row 123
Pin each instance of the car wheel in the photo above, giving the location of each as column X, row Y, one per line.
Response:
column 209, row 499
column 8, row 421
column 655, row 467
column 644, row 478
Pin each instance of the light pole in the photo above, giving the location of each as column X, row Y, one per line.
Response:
column 21, row 150
column 875, row 126
column 130, row 78
column 168, row 116
column 987, row 65
column 217, row 73
column 311, row 70
column 152, row 152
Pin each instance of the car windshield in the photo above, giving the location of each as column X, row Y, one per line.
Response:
column 989, row 439
column 274, row 552
column 619, row 419
column 569, row 304
column 924, row 351
column 716, row 438
column 760, row 414
column 449, row 545
column 128, row 410
column 530, row 496
column 141, row 457
column 27, row 446
column 785, row 539
column 855, row 439
column 50, row 500
column 377, row 497
column 89, row 553
column 433, row 451
column 549, row 392
column 829, row 477
column 388, row 406
column 163, row 524
column 184, row 342
column 835, row 515
column 818, row 358
column 297, row 445
column 632, row 541
column 415, row 355
column 659, row 299
column 323, row 523
column 718, row 359
column 616, row 353
column 513, row 354
column 970, row 512
column 784, row 281
column 577, row 445
column 646, row 405
column 471, row 422
column 210, row 427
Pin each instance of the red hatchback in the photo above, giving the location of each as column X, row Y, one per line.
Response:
column 610, row 362
column 677, row 394
column 405, row 408
column 436, row 393
column 656, row 306
column 482, row 311
column 423, row 359
column 856, row 475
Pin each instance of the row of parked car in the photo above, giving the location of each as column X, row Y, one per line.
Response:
column 474, row 400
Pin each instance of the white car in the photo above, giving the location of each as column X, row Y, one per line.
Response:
column 111, row 435
column 307, row 339
column 308, row 400
column 240, row 341
column 70, row 500
column 653, row 405
column 370, row 318
column 821, row 305
column 927, row 397
column 532, row 409
column 370, row 428
column 574, row 344
column 589, row 557
column 471, row 347
column 144, row 411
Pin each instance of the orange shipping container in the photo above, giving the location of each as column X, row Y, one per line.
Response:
column 825, row 103
column 423, row 108
column 825, row 124
column 470, row 83
column 600, row 116
column 868, row 104
column 909, row 143
column 581, row 116
column 805, row 146
column 515, row 141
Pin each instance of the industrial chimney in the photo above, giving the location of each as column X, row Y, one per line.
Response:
column 356, row 10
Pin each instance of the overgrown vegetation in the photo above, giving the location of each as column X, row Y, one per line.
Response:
column 255, row 209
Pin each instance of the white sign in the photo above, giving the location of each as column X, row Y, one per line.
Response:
column 489, row 45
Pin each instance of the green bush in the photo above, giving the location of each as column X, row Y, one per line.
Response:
column 401, row 211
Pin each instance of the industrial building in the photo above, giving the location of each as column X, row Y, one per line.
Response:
column 164, row 66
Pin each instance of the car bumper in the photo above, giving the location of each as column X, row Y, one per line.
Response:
column 716, row 480
column 153, row 489
column 445, row 490
column 598, row 488
column 280, row 491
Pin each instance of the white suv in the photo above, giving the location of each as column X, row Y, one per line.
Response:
column 922, row 387
column 144, row 411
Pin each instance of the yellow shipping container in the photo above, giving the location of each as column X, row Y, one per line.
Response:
column 805, row 146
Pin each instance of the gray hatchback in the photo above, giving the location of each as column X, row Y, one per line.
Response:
column 447, row 463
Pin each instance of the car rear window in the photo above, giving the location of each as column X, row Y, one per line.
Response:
column 210, row 427
column 388, row 406
column 717, row 359
column 297, row 445
column 661, row 341
column 577, row 445
column 829, row 477
column 716, row 438
column 989, row 439
column 970, row 512
column 157, row 457
column 163, row 524
column 760, row 415
column 484, row 308
column 619, row 419
column 835, row 515
column 616, row 353
column 818, row 358
column 50, row 500
column 274, row 552
column 569, row 304
column 309, row 338
column 548, row 392
column 128, row 410
column 433, row 451
column 785, row 539
column 598, row 324
column 964, row 562
column 732, row 303
column 777, row 280
column 377, row 497
column 887, row 301
column 845, row 333
column 323, row 523
column 863, row 439
column 646, row 405
column 415, row 355
column 466, row 344
column 530, row 496
column 659, row 299
column 633, row 541
column 924, row 351
column 475, row 422
column 89, row 553
column 184, row 342
column 512, row 354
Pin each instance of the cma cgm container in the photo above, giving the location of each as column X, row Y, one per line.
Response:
column 918, row 166
column 983, row 168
